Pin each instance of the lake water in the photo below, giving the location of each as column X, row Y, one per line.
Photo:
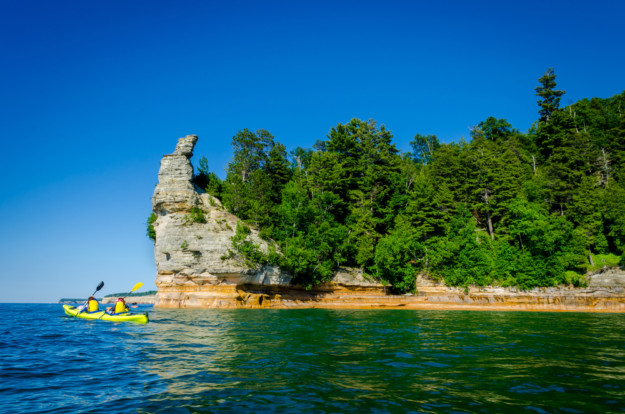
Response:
column 313, row 361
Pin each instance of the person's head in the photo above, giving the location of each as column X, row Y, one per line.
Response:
column 91, row 298
column 120, row 299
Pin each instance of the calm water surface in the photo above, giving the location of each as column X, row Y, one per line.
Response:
column 313, row 361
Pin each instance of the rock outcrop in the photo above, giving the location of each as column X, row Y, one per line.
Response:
column 195, row 267
column 190, row 253
column 608, row 279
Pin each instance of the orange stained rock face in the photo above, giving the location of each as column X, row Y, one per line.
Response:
column 439, row 298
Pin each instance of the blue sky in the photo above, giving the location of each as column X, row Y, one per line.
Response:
column 94, row 93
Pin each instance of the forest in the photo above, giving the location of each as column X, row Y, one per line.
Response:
column 538, row 208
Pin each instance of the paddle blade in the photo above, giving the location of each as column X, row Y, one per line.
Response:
column 100, row 286
column 137, row 286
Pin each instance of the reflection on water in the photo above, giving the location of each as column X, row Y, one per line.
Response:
column 387, row 361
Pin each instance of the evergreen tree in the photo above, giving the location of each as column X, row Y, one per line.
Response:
column 570, row 162
column 452, row 168
column 549, row 97
column 277, row 170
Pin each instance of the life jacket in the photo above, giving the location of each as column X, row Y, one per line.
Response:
column 92, row 305
column 120, row 307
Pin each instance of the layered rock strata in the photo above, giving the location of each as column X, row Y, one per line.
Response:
column 195, row 268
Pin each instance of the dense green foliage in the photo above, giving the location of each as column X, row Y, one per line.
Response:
column 507, row 208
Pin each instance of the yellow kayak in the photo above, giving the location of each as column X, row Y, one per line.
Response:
column 120, row 317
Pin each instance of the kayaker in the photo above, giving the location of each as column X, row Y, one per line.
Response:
column 120, row 306
column 92, row 304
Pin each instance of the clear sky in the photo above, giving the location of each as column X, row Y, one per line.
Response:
column 94, row 93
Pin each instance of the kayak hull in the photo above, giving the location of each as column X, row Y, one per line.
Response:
column 101, row 315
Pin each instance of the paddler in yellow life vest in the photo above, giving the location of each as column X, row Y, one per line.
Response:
column 92, row 304
column 120, row 306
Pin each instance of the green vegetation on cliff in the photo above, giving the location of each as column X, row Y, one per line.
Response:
column 509, row 208
column 150, row 227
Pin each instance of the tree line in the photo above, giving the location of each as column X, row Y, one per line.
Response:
column 508, row 208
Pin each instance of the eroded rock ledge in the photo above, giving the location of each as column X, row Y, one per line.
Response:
column 193, row 271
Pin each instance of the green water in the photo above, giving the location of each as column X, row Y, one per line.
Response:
column 319, row 361
column 393, row 361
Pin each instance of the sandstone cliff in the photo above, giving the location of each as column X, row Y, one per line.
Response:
column 194, row 268
column 190, row 255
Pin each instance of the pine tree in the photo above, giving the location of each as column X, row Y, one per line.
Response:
column 549, row 97
column 277, row 170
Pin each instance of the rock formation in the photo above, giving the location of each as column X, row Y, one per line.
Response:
column 190, row 255
column 195, row 267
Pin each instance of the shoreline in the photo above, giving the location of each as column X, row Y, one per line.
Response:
column 332, row 296
column 428, row 307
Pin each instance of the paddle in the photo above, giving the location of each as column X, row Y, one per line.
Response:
column 136, row 287
column 100, row 286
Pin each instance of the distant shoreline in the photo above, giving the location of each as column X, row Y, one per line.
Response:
column 146, row 298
